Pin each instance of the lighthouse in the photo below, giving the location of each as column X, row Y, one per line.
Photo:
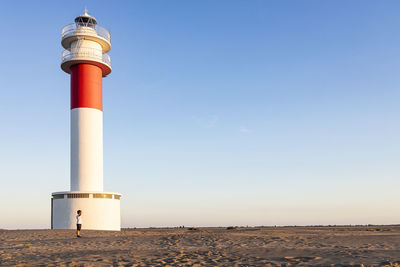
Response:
column 86, row 60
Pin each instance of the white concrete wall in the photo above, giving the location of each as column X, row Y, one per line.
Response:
column 97, row 213
column 86, row 48
column 86, row 149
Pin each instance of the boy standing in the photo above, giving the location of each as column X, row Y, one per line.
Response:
column 78, row 223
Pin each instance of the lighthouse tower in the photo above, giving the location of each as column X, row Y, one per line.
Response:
column 85, row 58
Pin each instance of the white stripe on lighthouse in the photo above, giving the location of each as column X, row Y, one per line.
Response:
column 86, row 149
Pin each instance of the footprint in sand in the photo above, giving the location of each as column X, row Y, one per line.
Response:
column 300, row 259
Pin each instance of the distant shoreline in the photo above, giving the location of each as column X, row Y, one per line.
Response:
column 224, row 227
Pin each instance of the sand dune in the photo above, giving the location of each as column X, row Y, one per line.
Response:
column 286, row 246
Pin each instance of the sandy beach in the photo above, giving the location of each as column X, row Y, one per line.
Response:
column 258, row 246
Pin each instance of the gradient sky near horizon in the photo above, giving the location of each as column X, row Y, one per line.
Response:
column 216, row 113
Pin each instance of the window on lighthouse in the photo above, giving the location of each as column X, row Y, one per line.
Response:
column 85, row 22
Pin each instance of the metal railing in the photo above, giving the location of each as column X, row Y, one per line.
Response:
column 86, row 53
column 74, row 28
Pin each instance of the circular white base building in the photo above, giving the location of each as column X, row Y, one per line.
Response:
column 100, row 210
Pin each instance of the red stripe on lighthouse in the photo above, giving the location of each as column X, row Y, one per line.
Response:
column 86, row 86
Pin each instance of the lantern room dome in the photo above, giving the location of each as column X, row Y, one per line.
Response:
column 85, row 20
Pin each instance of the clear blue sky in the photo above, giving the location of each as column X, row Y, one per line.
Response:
column 216, row 112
